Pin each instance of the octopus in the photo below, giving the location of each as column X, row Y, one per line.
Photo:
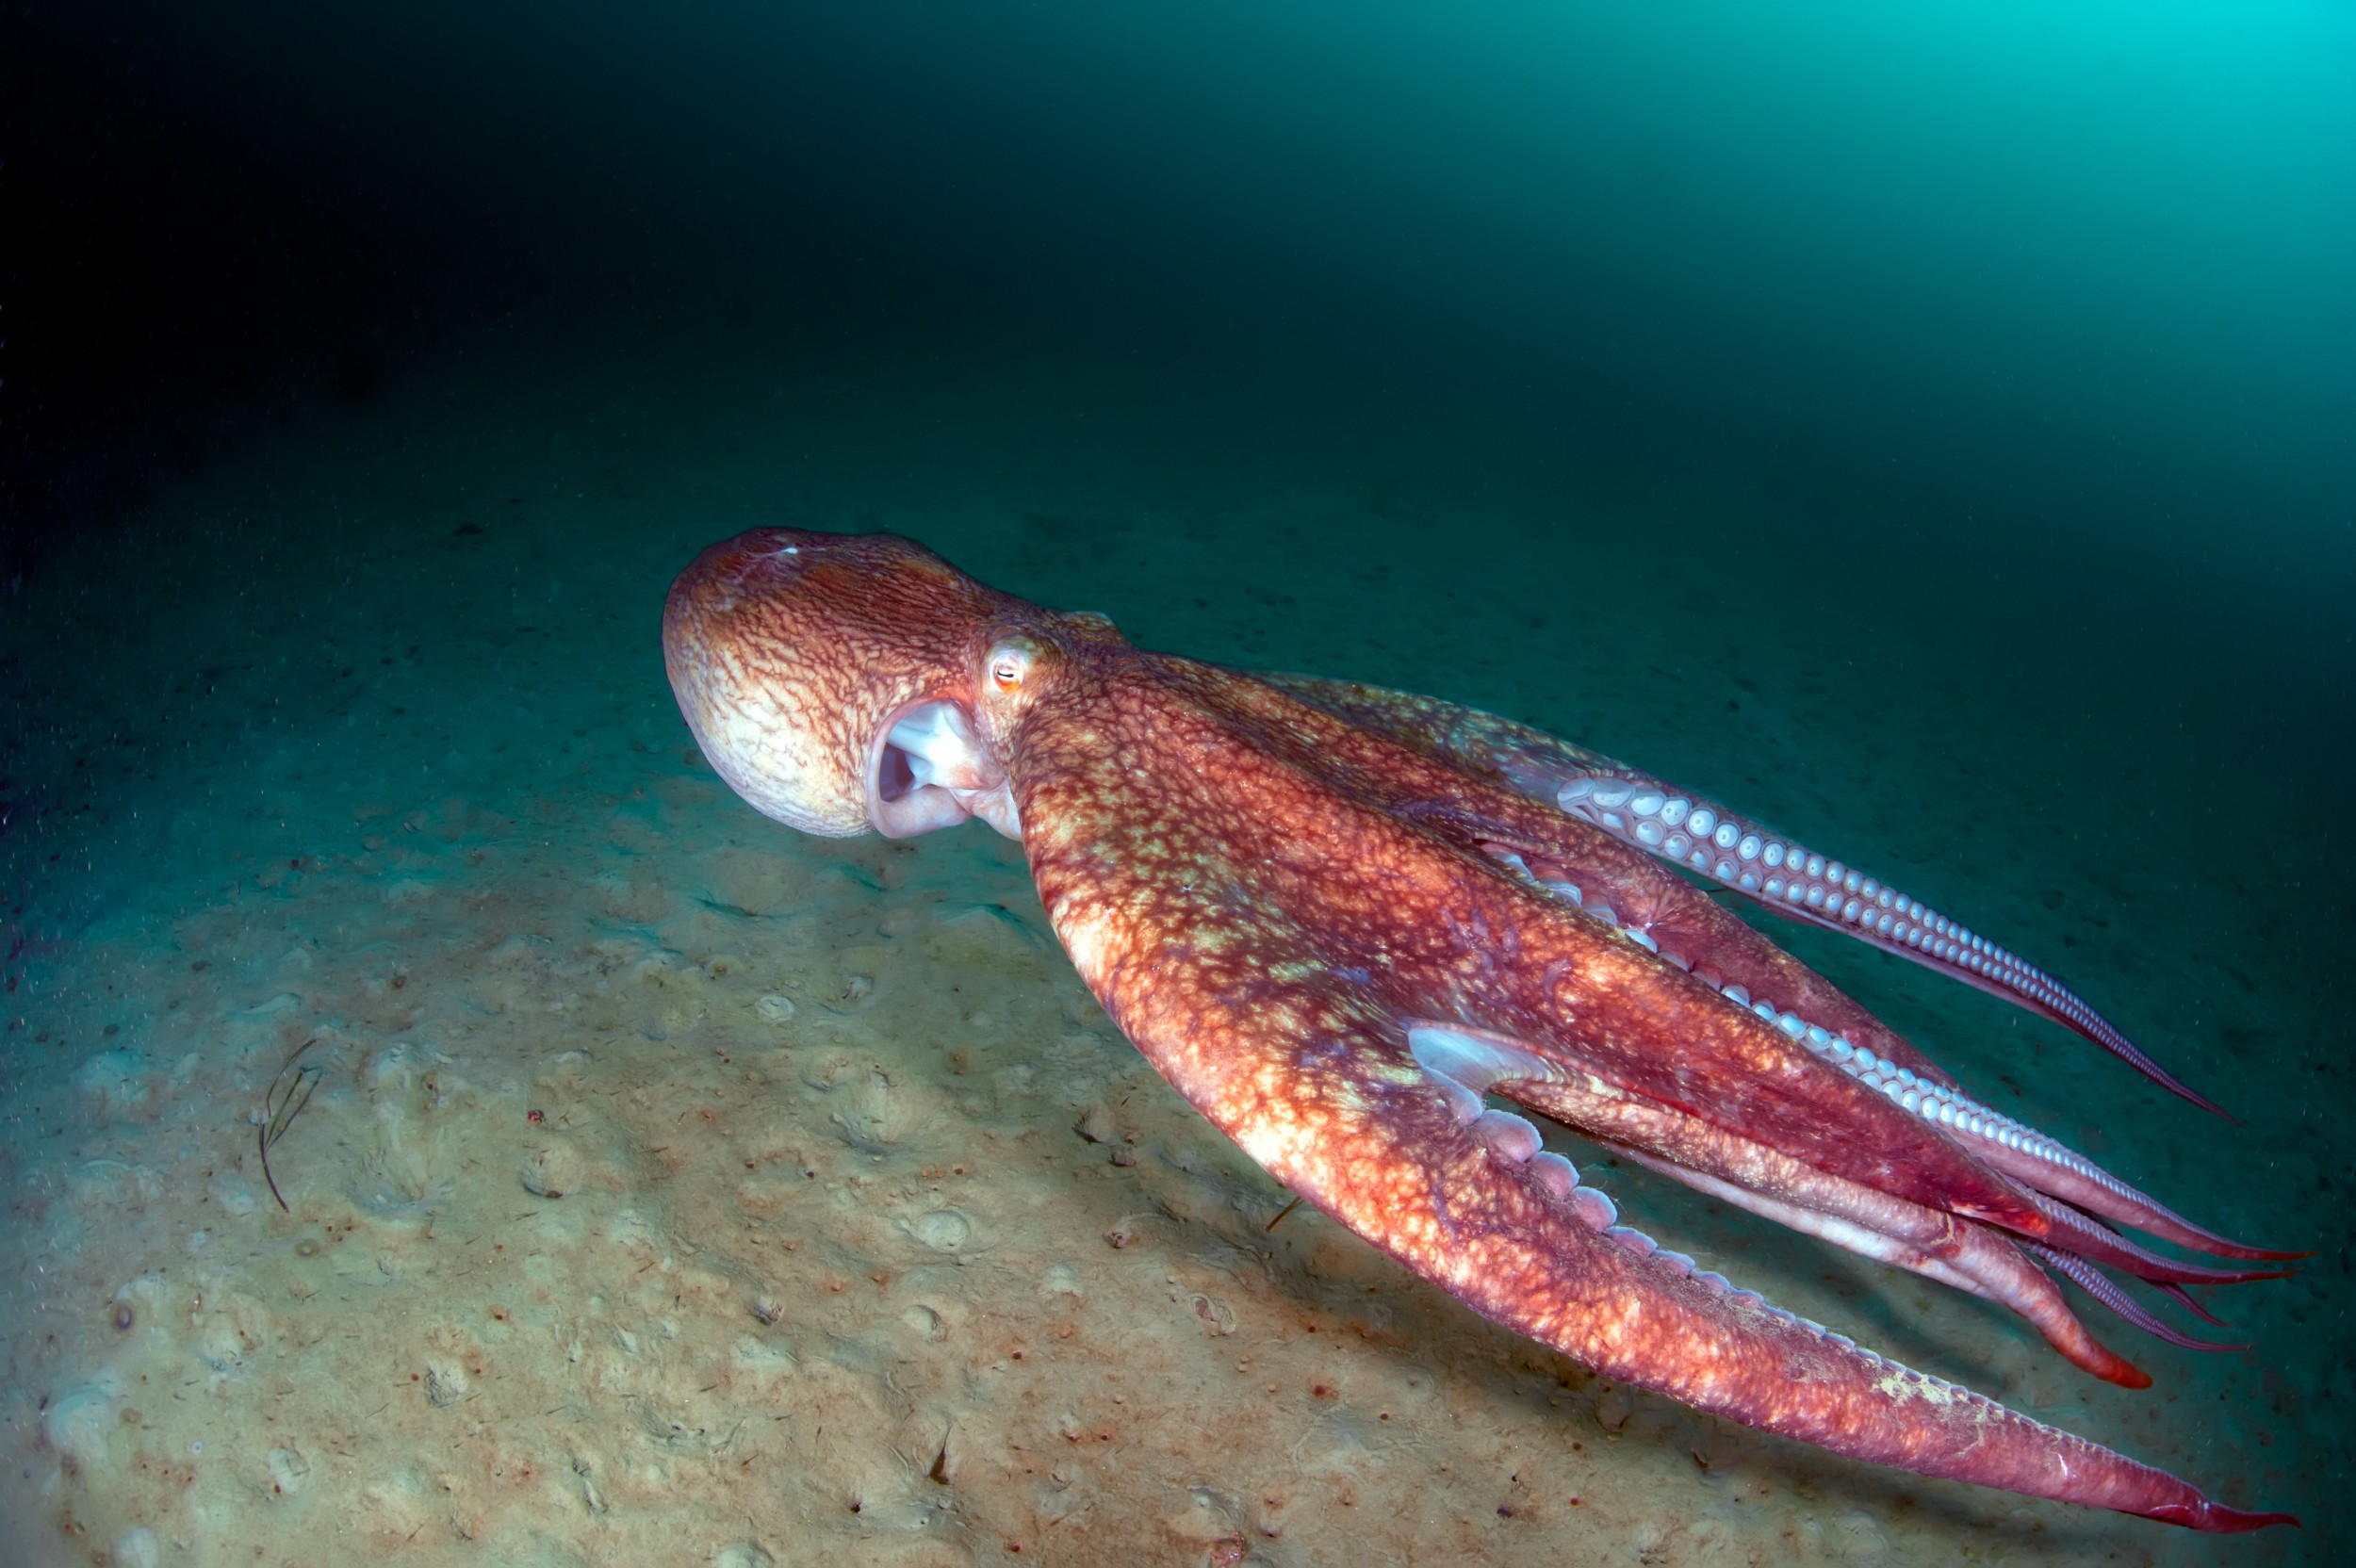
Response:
column 1340, row 920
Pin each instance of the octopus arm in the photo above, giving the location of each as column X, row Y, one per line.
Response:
column 1161, row 853
column 1695, row 834
column 1479, row 789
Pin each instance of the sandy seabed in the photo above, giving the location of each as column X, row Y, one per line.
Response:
column 669, row 1189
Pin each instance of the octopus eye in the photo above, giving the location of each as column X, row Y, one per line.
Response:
column 1007, row 668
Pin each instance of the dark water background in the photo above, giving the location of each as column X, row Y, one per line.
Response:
column 1983, row 377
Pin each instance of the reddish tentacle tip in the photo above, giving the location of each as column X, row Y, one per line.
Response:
column 2195, row 1097
column 2216, row 1519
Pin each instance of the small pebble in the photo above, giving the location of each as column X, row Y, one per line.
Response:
column 551, row 1171
column 943, row 1230
column 1218, row 1316
column 444, row 1383
column 745, row 1554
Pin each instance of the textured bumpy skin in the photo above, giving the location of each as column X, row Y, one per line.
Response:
column 1335, row 917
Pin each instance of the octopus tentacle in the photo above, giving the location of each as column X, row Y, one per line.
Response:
column 1666, row 914
column 2029, row 1156
column 2184, row 1299
column 1971, row 1258
column 1698, row 835
column 1174, row 896
column 1803, row 885
column 1569, row 860
column 2058, row 1225
column 2100, row 1285
column 1874, row 1053
column 2039, row 1162
column 1765, row 1182
column 2076, row 1232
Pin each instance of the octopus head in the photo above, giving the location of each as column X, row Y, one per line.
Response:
column 832, row 680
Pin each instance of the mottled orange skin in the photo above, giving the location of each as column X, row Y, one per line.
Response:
column 1265, row 886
